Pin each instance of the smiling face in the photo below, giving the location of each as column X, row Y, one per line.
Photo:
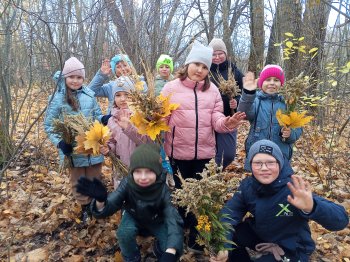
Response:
column 144, row 177
column 271, row 85
column 164, row 71
column 218, row 57
column 265, row 168
column 197, row 71
column 74, row 82
column 121, row 99
column 122, row 69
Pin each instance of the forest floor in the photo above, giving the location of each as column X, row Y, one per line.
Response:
column 39, row 218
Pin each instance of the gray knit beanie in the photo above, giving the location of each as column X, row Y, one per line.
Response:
column 218, row 45
column 73, row 67
column 266, row 147
column 200, row 54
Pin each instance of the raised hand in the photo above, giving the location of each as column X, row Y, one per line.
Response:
column 235, row 120
column 301, row 196
column 249, row 81
column 106, row 67
column 123, row 119
column 94, row 188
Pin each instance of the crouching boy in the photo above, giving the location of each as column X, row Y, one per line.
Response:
column 146, row 202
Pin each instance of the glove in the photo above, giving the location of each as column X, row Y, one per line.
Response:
column 104, row 119
column 67, row 149
column 168, row 257
column 94, row 188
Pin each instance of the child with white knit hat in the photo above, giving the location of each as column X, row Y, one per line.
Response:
column 190, row 143
column 261, row 107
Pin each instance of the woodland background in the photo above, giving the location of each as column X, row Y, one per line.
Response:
column 37, row 214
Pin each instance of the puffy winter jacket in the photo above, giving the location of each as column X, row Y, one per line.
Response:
column 123, row 142
column 58, row 106
column 106, row 90
column 145, row 211
column 277, row 221
column 261, row 109
column 192, row 124
column 160, row 82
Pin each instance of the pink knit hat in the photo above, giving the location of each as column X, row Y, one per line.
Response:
column 73, row 67
column 271, row 71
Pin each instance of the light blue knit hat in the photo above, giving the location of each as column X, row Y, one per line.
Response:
column 117, row 58
column 200, row 54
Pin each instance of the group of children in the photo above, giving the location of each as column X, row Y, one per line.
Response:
column 203, row 127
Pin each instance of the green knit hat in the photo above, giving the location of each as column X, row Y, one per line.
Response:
column 147, row 156
column 165, row 60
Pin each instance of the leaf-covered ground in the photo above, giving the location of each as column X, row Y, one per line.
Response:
column 39, row 219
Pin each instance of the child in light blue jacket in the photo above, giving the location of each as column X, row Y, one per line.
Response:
column 72, row 98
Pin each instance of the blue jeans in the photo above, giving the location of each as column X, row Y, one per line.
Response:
column 129, row 229
column 226, row 144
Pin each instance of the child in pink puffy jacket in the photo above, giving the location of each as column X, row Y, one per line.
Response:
column 124, row 138
column 190, row 143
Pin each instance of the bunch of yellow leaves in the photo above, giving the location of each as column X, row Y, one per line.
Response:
column 150, row 113
column 292, row 119
column 90, row 141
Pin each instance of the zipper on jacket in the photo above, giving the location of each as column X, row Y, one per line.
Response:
column 196, row 110
column 270, row 133
column 172, row 143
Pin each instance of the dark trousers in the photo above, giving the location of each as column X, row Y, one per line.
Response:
column 188, row 169
column 245, row 236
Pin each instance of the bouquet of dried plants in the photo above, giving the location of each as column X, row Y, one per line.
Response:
column 205, row 198
column 292, row 90
column 228, row 86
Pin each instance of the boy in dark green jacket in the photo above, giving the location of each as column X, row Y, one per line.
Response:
column 146, row 202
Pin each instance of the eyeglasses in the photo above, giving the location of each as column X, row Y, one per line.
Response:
column 218, row 54
column 269, row 165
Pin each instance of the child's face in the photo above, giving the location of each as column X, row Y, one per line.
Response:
column 144, row 177
column 271, row 85
column 265, row 168
column 197, row 71
column 121, row 99
column 164, row 71
column 122, row 69
column 74, row 82
column 219, row 57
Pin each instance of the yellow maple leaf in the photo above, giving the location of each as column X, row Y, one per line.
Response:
column 154, row 128
column 80, row 148
column 293, row 119
column 139, row 85
column 95, row 137
column 166, row 105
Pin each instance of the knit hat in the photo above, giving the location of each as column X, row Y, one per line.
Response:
column 271, row 71
column 165, row 60
column 218, row 45
column 147, row 156
column 73, row 67
column 266, row 147
column 200, row 54
column 123, row 84
column 117, row 58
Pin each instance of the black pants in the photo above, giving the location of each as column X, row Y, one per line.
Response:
column 245, row 236
column 188, row 169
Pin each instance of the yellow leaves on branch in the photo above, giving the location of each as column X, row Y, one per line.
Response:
column 151, row 121
column 293, row 119
column 90, row 141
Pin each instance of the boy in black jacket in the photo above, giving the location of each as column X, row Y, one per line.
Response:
column 146, row 202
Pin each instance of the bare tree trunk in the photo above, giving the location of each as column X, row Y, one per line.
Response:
column 314, row 29
column 273, row 52
column 290, row 21
column 256, row 57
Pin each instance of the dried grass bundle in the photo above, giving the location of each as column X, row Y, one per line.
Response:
column 205, row 198
column 227, row 87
